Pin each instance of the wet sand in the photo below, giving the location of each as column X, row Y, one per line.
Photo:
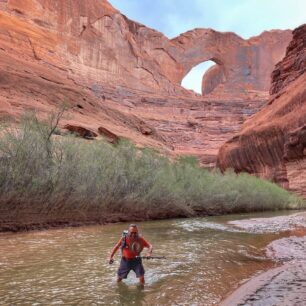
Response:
column 286, row 284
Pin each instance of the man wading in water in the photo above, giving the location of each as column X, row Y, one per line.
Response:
column 131, row 246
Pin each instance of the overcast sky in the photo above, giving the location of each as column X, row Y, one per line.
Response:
column 244, row 17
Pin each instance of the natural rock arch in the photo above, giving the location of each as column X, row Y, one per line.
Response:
column 242, row 64
column 209, row 76
column 194, row 78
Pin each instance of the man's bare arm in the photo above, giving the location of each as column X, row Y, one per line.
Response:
column 114, row 250
column 149, row 254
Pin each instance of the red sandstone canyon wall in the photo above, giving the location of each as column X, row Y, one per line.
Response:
column 123, row 78
column 272, row 143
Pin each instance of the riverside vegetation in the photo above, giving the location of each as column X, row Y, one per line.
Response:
column 48, row 178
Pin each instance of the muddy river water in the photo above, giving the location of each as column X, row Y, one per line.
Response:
column 206, row 258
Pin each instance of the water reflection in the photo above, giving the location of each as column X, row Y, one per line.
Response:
column 130, row 295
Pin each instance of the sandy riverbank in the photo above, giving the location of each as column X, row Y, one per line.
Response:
column 286, row 284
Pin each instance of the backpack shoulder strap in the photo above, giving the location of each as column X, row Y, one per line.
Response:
column 123, row 242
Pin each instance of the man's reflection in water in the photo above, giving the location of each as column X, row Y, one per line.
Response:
column 130, row 295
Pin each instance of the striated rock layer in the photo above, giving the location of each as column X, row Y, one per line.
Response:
column 122, row 79
column 272, row 143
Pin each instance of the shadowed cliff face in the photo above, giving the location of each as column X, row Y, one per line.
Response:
column 272, row 143
column 123, row 77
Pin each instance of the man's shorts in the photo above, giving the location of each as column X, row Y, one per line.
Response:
column 126, row 265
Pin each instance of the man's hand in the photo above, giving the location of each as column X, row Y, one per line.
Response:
column 111, row 260
column 149, row 255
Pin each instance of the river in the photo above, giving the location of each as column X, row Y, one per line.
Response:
column 206, row 258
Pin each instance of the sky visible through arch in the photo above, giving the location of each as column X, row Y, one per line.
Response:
column 246, row 18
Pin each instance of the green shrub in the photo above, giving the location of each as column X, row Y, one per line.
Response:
column 56, row 175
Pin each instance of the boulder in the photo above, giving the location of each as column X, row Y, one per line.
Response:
column 81, row 131
column 111, row 137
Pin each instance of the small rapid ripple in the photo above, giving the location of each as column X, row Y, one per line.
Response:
column 271, row 225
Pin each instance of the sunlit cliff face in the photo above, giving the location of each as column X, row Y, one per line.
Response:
column 123, row 79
